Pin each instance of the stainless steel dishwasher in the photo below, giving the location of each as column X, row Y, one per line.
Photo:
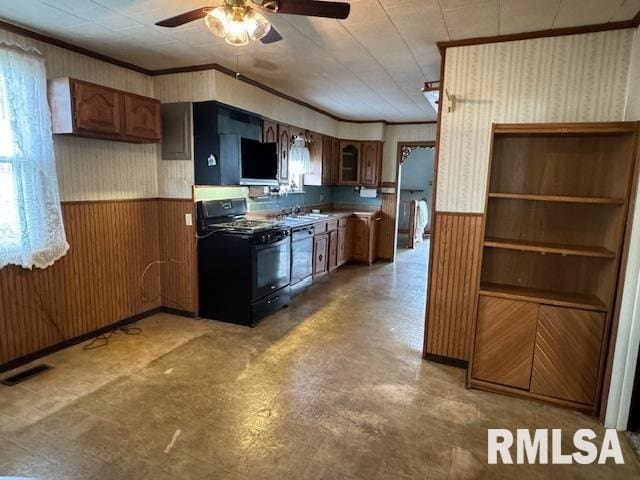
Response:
column 301, row 259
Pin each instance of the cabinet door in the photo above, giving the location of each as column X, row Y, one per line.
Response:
column 333, row 250
column 97, row 109
column 360, row 239
column 505, row 338
column 369, row 164
column 349, row 163
column 320, row 254
column 327, row 159
column 335, row 161
column 317, row 155
column 284, row 143
column 566, row 361
column 343, row 246
column 142, row 117
column 269, row 132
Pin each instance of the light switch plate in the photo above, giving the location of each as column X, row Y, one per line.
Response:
column 188, row 219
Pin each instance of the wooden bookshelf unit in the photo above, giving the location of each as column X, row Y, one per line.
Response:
column 555, row 219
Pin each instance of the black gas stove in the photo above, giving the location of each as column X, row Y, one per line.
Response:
column 243, row 265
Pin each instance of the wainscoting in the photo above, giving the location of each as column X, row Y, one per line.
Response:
column 455, row 275
column 178, row 251
column 108, row 274
column 387, row 227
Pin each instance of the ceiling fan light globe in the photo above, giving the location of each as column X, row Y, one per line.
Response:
column 236, row 34
column 257, row 25
column 217, row 21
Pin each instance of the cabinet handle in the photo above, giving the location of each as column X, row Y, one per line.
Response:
column 320, row 257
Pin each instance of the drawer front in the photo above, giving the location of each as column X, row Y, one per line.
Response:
column 332, row 225
column 319, row 228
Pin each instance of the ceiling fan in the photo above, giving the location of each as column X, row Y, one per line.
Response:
column 237, row 21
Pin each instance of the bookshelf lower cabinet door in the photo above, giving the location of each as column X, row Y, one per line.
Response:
column 567, row 354
column 504, row 342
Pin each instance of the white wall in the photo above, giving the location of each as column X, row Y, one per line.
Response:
column 577, row 78
column 628, row 337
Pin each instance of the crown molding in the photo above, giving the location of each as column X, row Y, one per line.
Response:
column 554, row 32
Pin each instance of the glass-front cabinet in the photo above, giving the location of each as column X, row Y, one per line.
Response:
column 349, row 162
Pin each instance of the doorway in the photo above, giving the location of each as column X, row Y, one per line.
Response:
column 415, row 183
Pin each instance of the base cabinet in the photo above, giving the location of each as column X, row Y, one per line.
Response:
column 544, row 351
column 565, row 362
column 505, row 338
column 364, row 238
column 320, row 255
column 333, row 250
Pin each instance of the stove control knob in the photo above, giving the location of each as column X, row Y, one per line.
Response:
column 263, row 238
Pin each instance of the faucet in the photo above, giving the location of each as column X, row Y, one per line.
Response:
column 297, row 209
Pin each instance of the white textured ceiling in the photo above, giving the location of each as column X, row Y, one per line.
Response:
column 370, row 66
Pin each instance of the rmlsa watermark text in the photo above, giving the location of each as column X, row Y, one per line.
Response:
column 543, row 446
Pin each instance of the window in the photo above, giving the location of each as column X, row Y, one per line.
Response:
column 31, row 228
column 295, row 181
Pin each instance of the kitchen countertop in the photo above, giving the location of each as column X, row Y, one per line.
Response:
column 303, row 222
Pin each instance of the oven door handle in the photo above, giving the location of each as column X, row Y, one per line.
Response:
column 278, row 243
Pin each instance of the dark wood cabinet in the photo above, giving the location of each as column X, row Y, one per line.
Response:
column 349, row 163
column 364, row 233
column 320, row 255
column 141, row 117
column 370, row 163
column 335, row 162
column 96, row 109
column 89, row 110
column 269, row 132
column 284, row 144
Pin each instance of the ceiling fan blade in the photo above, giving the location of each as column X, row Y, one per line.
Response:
column 311, row 8
column 272, row 37
column 185, row 17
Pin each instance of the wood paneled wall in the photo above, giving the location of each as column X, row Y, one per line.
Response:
column 455, row 277
column 387, row 227
column 108, row 274
column 178, row 251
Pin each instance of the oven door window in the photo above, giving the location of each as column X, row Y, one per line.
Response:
column 272, row 263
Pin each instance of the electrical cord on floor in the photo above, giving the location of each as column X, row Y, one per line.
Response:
column 103, row 340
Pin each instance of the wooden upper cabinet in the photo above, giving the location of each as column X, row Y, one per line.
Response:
column 370, row 163
column 284, row 144
column 97, row 109
column 349, row 162
column 142, row 117
column 90, row 110
column 269, row 132
column 335, row 162
column 317, row 153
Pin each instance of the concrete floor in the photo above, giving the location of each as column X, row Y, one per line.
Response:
column 333, row 387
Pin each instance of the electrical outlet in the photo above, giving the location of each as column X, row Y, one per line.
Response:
column 188, row 219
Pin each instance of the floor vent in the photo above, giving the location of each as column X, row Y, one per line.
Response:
column 25, row 375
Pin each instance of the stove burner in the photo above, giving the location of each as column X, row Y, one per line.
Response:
column 249, row 226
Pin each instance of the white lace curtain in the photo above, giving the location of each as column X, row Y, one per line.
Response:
column 31, row 229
